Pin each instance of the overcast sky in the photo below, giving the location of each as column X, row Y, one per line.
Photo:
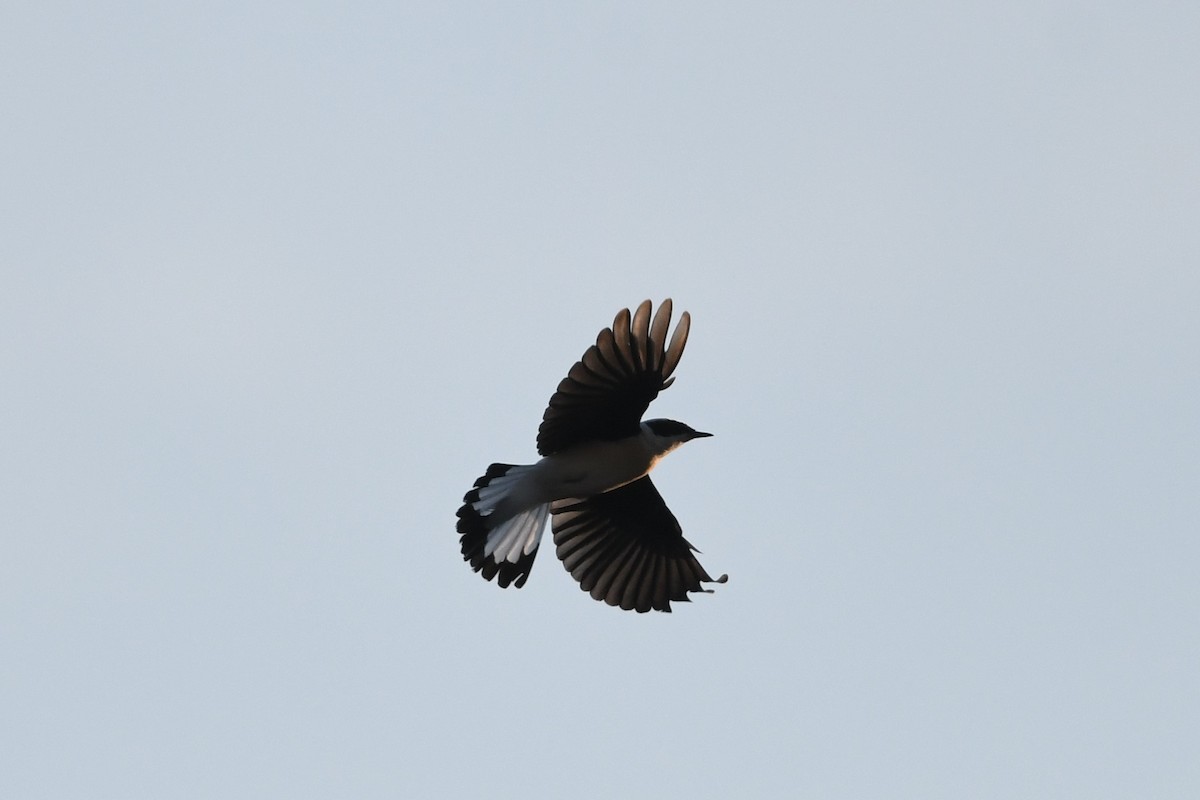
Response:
column 279, row 280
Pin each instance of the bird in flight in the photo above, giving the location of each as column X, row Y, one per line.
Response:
column 612, row 530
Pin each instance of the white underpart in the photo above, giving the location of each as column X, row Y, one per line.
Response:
column 518, row 536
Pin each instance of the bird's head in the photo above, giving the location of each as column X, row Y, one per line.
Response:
column 667, row 434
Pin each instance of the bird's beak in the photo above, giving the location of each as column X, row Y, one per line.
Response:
column 700, row 435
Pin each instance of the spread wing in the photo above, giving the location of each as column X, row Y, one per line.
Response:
column 605, row 394
column 625, row 547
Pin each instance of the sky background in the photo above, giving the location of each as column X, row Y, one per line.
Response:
column 279, row 280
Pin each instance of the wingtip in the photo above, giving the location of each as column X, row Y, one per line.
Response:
column 722, row 579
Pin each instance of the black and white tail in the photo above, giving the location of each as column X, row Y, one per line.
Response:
column 507, row 547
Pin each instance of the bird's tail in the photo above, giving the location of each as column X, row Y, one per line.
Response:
column 497, row 539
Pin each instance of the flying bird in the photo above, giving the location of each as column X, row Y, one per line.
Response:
column 612, row 530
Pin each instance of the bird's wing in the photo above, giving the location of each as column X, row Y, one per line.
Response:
column 625, row 547
column 605, row 394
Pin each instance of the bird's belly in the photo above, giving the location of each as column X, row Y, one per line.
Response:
column 592, row 469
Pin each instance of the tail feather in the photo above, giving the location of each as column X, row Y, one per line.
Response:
column 503, row 549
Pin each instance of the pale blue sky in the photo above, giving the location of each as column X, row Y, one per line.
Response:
column 279, row 280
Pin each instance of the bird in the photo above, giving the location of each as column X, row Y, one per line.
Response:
column 612, row 529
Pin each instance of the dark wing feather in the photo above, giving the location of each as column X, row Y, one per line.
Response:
column 625, row 547
column 605, row 394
